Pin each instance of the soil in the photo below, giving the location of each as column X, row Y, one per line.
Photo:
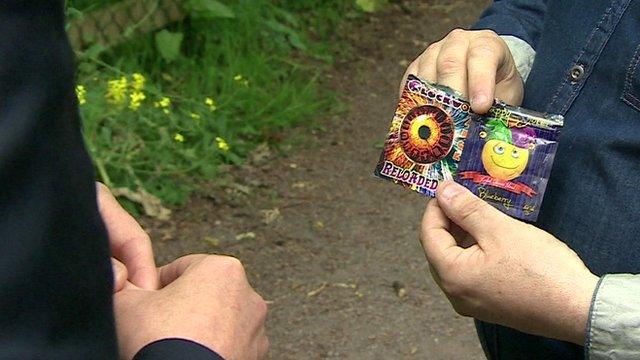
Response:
column 333, row 250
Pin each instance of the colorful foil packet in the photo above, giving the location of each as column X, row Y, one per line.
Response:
column 426, row 138
column 508, row 157
column 504, row 157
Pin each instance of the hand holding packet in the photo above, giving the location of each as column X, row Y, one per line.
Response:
column 504, row 157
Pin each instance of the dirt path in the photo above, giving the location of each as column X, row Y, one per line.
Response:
column 335, row 250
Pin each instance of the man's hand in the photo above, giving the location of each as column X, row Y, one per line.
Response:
column 476, row 63
column 203, row 298
column 509, row 273
column 129, row 244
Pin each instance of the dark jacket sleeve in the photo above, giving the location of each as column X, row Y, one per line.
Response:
column 55, row 275
column 521, row 18
column 176, row 349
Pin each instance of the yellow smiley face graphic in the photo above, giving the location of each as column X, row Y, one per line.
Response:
column 504, row 161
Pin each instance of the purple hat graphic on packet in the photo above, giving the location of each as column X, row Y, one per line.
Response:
column 523, row 137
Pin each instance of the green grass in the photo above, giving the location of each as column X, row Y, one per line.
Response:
column 261, row 68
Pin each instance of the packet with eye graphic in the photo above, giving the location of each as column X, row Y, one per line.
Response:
column 426, row 138
column 508, row 157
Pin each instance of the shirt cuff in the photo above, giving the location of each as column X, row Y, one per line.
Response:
column 523, row 54
column 614, row 321
column 167, row 349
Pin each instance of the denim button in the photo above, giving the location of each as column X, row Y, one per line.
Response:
column 576, row 73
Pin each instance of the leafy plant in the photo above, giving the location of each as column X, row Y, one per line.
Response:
column 163, row 112
column 208, row 9
column 371, row 5
column 168, row 44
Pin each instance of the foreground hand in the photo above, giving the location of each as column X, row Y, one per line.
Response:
column 203, row 298
column 513, row 274
column 129, row 244
column 476, row 63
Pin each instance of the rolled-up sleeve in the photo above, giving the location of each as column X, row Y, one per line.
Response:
column 614, row 321
column 522, row 53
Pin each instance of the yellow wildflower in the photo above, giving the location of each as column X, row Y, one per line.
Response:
column 222, row 144
column 138, row 82
column 136, row 98
column 81, row 93
column 194, row 116
column 179, row 138
column 239, row 78
column 164, row 102
column 211, row 103
column 117, row 90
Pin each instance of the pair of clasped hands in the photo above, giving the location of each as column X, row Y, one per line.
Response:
column 489, row 265
column 203, row 298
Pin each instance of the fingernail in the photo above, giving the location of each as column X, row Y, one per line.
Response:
column 450, row 190
column 478, row 99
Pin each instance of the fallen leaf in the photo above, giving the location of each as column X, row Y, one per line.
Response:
column 343, row 285
column 319, row 225
column 414, row 350
column 300, row 185
column 152, row 205
column 402, row 293
column 370, row 5
column 317, row 291
column 269, row 216
column 260, row 154
column 296, row 286
column 247, row 235
column 241, row 188
column 212, row 240
column 400, row 289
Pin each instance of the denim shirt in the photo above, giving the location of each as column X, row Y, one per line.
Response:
column 587, row 68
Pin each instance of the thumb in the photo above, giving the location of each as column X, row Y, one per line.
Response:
column 170, row 272
column 437, row 242
column 473, row 215
column 119, row 275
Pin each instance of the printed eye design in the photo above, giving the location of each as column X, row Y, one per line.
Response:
column 498, row 149
column 426, row 134
column 515, row 154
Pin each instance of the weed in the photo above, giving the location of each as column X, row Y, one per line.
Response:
column 164, row 111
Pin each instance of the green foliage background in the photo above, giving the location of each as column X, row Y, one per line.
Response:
column 235, row 73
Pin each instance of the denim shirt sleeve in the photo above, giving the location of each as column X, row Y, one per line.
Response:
column 523, row 19
column 614, row 321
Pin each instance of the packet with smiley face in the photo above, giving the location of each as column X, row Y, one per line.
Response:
column 508, row 156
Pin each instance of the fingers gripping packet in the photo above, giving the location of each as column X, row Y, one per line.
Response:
column 426, row 138
column 508, row 157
